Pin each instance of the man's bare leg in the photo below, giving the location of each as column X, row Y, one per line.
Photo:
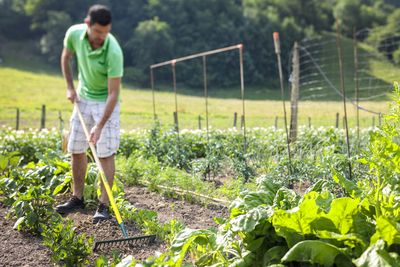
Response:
column 79, row 165
column 108, row 165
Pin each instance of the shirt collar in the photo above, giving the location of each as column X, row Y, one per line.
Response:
column 85, row 38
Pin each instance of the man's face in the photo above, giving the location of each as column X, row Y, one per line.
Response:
column 98, row 33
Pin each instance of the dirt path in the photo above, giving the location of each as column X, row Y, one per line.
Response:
column 191, row 214
column 19, row 249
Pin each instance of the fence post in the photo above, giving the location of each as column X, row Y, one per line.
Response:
column 337, row 120
column 276, row 123
column 295, row 79
column 43, row 118
column 60, row 119
column 175, row 120
column 242, row 121
column 234, row 119
column 344, row 122
column 199, row 122
column 17, row 120
column 309, row 122
column 380, row 119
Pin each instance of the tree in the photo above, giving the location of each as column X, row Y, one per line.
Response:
column 359, row 14
column 51, row 42
column 151, row 42
column 12, row 18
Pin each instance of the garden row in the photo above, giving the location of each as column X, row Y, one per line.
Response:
column 310, row 208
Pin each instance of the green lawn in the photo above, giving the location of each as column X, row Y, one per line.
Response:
column 27, row 83
column 28, row 91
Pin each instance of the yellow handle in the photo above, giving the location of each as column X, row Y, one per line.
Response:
column 102, row 175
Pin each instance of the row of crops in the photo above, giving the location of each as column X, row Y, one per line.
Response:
column 302, row 212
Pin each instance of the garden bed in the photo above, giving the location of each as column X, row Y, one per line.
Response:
column 21, row 249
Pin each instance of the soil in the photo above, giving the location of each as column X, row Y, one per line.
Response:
column 21, row 249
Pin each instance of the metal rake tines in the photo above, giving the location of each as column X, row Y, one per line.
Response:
column 137, row 240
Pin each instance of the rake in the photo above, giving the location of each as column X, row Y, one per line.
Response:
column 123, row 241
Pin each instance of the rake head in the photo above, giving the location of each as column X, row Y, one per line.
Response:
column 136, row 241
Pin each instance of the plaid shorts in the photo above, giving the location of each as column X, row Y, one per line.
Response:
column 92, row 111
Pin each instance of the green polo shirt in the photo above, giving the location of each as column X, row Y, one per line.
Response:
column 95, row 66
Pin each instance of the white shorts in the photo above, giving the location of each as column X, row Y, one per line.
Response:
column 92, row 112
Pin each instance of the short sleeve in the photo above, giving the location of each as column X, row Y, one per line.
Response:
column 115, row 66
column 68, row 40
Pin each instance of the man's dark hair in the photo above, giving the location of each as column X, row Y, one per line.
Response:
column 99, row 14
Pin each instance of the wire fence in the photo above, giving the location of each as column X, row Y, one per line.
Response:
column 366, row 79
column 37, row 118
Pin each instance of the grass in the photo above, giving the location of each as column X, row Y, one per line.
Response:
column 28, row 83
column 29, row 91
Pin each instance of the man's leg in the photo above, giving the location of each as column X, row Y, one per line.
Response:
column 102, row 212
column 108, row 165
column 106, row 147
column 77, row 146
column 79, row 166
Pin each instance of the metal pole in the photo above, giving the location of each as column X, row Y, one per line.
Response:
column 206, row 93
column 278, row 56
column 174, row 115
column 295, row 92
column 173, row 63
column 356, row 82
column 339, row 47
column 153, row 94
column 242, row 91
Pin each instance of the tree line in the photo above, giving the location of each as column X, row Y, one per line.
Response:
column 152, row 31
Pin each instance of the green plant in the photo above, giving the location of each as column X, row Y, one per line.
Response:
column 30, row 144
column 8, row 162
column 31, row 209
column 68, row 248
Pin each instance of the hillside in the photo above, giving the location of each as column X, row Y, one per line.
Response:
column 30, row 83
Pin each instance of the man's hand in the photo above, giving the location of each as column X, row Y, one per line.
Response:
column 95, row 133
column 71, row 95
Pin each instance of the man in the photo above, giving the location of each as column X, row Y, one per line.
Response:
column 100, row 65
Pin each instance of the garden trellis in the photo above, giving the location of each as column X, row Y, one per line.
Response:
column 203, row 55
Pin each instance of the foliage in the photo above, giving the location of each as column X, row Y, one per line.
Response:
column 273, row 225
column 28, row 190
column 148, row 222
column 68, row 247
column 31, row 209
column 30, row 144
column 144, row 46
column 155, row 31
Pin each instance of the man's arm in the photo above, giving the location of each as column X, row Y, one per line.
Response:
column 112, row 100
column 66, row 57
